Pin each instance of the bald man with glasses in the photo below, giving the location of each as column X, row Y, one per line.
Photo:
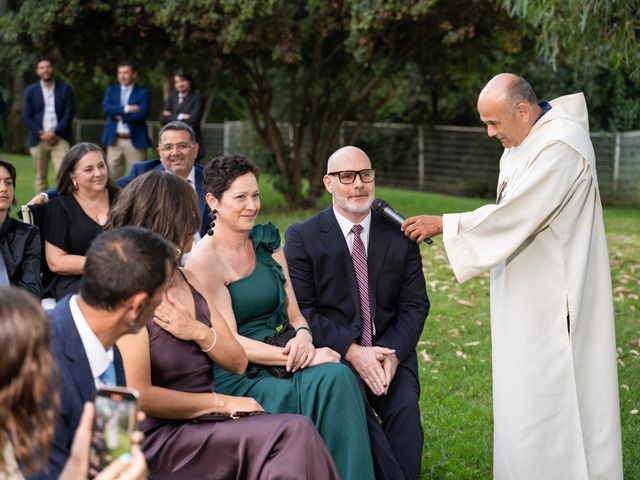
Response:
column 359, row 283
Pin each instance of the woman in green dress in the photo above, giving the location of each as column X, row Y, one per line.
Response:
column 244, row 270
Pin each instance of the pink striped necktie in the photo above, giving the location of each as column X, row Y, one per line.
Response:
column 359, row 257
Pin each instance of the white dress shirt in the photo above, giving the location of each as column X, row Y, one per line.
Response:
column 346, row 226
column 99, row 358
column 49, row 118
column 125, row 93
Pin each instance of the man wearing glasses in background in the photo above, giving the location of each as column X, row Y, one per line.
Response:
column 178, row 149
column 360, row 285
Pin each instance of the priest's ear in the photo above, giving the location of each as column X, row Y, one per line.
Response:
column 523, row 111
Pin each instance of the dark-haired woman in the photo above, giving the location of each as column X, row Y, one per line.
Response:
column 244, row 270
column 76, row 216
column 20, row 247
column 170, row 362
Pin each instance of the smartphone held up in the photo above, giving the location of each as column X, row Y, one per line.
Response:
column 115, row 419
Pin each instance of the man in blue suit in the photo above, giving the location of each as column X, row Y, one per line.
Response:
column 360, row 285
column 178, row 150
column 125, row 275
column 126, row 107
column 47, row 112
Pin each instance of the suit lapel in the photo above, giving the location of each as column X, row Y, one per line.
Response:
column 79, row 368
column 335, row 242
column 121, row 380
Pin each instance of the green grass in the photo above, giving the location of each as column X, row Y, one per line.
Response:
column 454, row 352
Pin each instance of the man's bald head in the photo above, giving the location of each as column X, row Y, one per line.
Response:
column 343, row 155
column 508, row 106
column 509, row 88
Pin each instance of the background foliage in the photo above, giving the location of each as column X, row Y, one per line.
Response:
column 317, row 63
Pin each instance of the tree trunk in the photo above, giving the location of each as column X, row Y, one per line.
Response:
column 17, row 131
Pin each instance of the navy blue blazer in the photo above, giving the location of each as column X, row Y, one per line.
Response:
column 135, row 120
column 76, row 380
column 325, row 284
column 140, row 168
column 33, row 110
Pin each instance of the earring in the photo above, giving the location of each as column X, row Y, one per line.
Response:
column 178, row 253
column 75, row 185
column 213, row 221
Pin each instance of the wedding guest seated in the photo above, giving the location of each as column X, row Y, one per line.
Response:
column 76, row 216
column 242, row 267
column 28, row 404
column 170, row 362
column 20, row 246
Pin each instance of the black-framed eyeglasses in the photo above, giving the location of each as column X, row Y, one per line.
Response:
column 349, row 176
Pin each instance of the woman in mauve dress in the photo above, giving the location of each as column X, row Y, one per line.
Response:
column 170, row 363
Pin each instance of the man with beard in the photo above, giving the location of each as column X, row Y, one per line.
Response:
column 125, row 275
column 178, row 150
column 47, row 112
column 360, row 285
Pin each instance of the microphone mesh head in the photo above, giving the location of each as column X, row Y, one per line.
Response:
column 378, row 205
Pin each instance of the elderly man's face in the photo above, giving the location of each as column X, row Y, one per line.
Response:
column 177, row 152
column 506, row 122
column 352, row 200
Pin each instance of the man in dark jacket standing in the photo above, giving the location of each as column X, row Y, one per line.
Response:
column 47, row 112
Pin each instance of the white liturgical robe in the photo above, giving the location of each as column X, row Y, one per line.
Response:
column 555, row 384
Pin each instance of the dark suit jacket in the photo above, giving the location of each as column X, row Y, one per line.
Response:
column 135, row 120
column 325, row 284
column 140, row 168
column 21, row 249
column 193, row 104
column 77, row 385
column 33, row 110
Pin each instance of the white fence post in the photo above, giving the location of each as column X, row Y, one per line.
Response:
column 616, row 164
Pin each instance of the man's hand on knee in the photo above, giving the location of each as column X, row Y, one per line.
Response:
column 368, row 362
column 390, row 366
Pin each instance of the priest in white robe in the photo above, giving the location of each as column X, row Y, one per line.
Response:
column 555, row 386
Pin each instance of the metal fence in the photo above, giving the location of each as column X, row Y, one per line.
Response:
column 445, row 159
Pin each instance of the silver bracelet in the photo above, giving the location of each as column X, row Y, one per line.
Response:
column 215, row 340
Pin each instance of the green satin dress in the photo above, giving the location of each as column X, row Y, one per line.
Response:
column 327, row 393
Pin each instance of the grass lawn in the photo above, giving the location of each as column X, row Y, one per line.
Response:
column 454, row 352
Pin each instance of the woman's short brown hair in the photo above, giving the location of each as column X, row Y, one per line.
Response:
column 221, row 172
column 28, row 404
column 159, row 201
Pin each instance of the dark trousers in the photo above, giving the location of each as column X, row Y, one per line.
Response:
column 395, row 429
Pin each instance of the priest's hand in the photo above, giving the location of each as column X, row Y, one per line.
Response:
column 368, row 363
column 421, row 227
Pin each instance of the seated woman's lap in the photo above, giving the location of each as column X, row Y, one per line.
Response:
column 266, row 446
column 295, row 394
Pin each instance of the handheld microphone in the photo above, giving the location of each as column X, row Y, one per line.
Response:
column 383, row 208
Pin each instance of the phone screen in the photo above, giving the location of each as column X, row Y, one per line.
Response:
column 115, row 419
